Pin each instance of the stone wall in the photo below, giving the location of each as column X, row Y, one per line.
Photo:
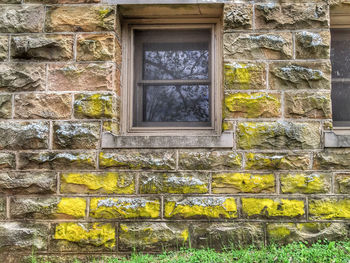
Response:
column 61, row 194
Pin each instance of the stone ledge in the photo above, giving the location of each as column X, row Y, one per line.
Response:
column 130, row 2
column 336, row 140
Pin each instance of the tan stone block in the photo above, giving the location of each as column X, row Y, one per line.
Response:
column 277, row 161
column 342, row 183
column 5, row 106
column 312, row 45
column 4, row 47
column 94, row 106
column 95, row 47
column 7, row 161
column 329, row 159
column 238, row 16
column 61, row 1
column 305, row 183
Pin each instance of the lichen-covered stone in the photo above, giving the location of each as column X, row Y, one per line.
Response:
column 7, row 161
column 291, row 16
column 11, row 1
column 305, row 183
column 57, row 160
column 342, row 183
column 252, row 105
column 111, row 126
column 95, row 47
column 5, row 106
column 258, row 46
column 209, row 160
column 238, row 16
column 102, row 183
column 21, row 18
column 28, row 182
column 174, row 183
column 16, row 77
column 4, row 47
column 43, row 106
column 279, row 135
column 200, row 207
column 272, row 208
column 140, row 159
column 24, row 135
column 277, row 161
column 80, row 77
column 329, row 159
column 232, row 183
column 300, row 75
column 47, row 208
column 62, row 1
column 42, row 47
column 124, row 207
column 329, row 208
column 2, row 209
column 76, row 135
column 239, row 75
column 227, row 126
column 312, row 45
column 95, row 106
column 79, row 18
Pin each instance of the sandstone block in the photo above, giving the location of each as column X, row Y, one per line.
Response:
column 7, row 161
column 4, row 47
column 111, row 126
column 305, row 183
column 276, row 161
column 336, row 159
column 5, row 106
column 62, row 1
column 94, row 106
column 238, row 16
column 98, row 47
column 329, row 208
column 342, row 183
column 312, row 45
column 2, row 209
column 11, row 1
column 227, row 125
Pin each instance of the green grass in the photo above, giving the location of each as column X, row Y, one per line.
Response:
column 320, row 252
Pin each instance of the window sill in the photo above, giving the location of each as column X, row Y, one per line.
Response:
column 337, row 139
column 111, row 141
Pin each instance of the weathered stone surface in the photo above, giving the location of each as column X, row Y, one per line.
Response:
column 28, row 182
column 24, row 135
column 329, row 208
column 300, row 75
column 102, row 183
column 5, row 106
column 42, row 47
column 21, row 18
column 16, row 236
column 227, row 126
column 232, row 183
column 10, row 1
column 311, row 45
column 124, row 207
column 308, row 105
column 279, row 135
column 4, row 47
column 2, row 209
column 43, row 106
column 277, row 161
column 174, row 183
column 342, row 183
column 80, row 77
column 305, row 183
column 80, row 18
column 76, row 135
column 239, row 75
column 272, row 208
column 7, row 161
column 57, row 160
column 334, row 159
column 62, row 1
column 257, row 46
column 141, row 159
column 94, row 106
column 47, row 208
column 95, row 47
column 209, row 160
column 306, row 232
column 252, row 105
column 200, row 207
column 22, row 77
column 238, row 16
column 291, row 16
column 111, row 126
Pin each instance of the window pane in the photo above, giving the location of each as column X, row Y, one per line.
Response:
column 341, row 101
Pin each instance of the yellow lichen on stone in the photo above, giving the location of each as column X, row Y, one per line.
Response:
column 304, row 183
column 185, row 234
column 227, row 126
column 329, row 208
column 94, row 106
column 278, row 232
column 72, row 206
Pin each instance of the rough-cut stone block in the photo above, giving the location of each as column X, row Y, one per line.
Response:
column 79, row 18
column 24, row 135
column 200, row 207
column 141, row 159
column 62, row 1
column 111, row 126
column 291, row 16
column 101, row 183
column 4, row 47
column 305, row 183
column 306, row 232
column 47, row 208
column 94, row 106
column 57, row 160
column 300, row 75
column 337, row 159
column 11, row 1
column 42, row 47
column 239, row 75
column 80, row 77
column 18, row 19
column 5, row 106
column 2, row 208
column 279, row 135
column 43, row 106
column 232, row 183
column 174, row 183
column 329, row 208
column 124, row 207
column 227, row 125
column 28, row 183
column 76, row 135
column 7, row 161
column 252, row 105
column 272, row 208
column 277, row 161
column 96, row 47
column 312, row 45
column 22, row 77
column 209, row 160
column 342, row 183
column 238, row 16
column 258, row 46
